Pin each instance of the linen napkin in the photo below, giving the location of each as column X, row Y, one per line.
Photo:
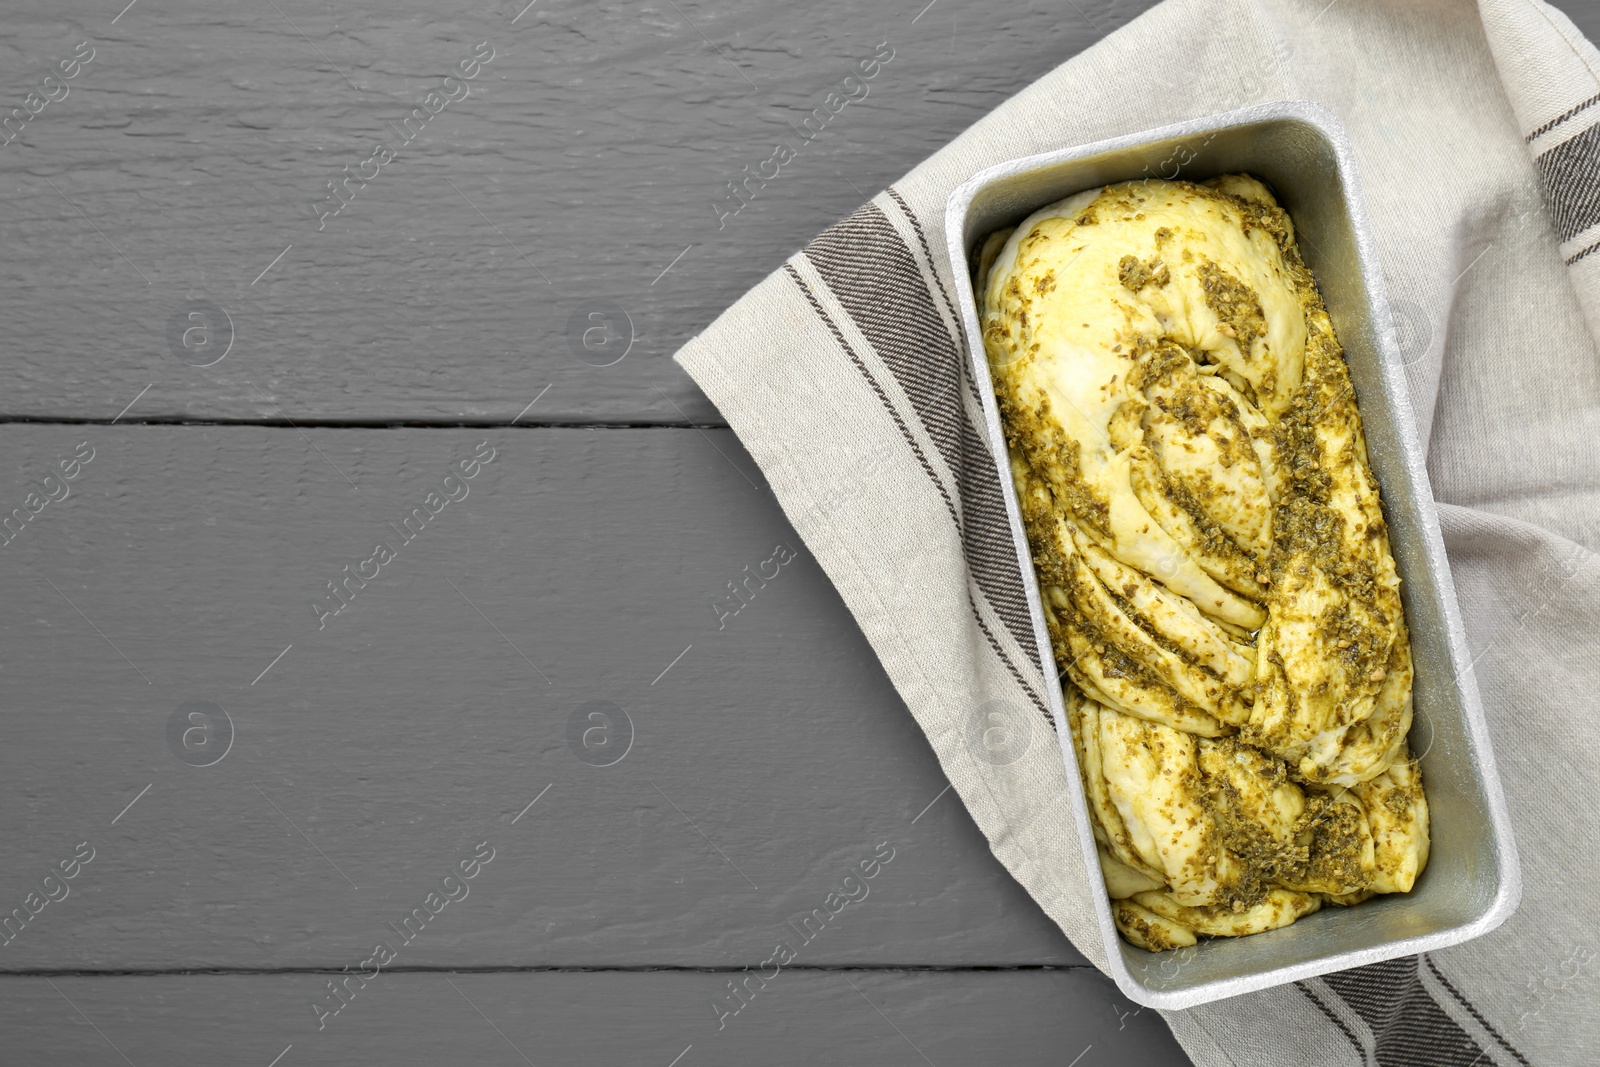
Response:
column 1477, row 133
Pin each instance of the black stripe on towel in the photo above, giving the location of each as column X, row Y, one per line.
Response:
column 922, row 239
column 871, row 272
column 1333, row 1017
column 1408, row 1026
column 1467, row 1004
column 933, row 271
column 1563, row 117
column 1570, row 173
column 922, row 458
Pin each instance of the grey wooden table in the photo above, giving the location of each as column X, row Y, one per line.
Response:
column 516, row 750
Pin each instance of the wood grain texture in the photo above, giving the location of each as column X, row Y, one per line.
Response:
column 188, row 153
column 765, row 764
column 802, row 1018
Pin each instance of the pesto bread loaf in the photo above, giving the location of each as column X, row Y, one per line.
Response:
column 1211, row 554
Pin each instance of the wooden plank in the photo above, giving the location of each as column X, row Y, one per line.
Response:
column 183, row 163
column 769, row 757
column 661, row 1019
column 187, row 154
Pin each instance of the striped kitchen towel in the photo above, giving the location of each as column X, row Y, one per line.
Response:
column 1552, row 77
column 843, row 374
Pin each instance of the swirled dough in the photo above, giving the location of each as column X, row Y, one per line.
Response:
column 1212, row 556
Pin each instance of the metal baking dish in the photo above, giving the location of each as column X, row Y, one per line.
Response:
column 1473, row 882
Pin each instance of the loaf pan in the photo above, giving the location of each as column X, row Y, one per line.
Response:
column 1472, row 883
